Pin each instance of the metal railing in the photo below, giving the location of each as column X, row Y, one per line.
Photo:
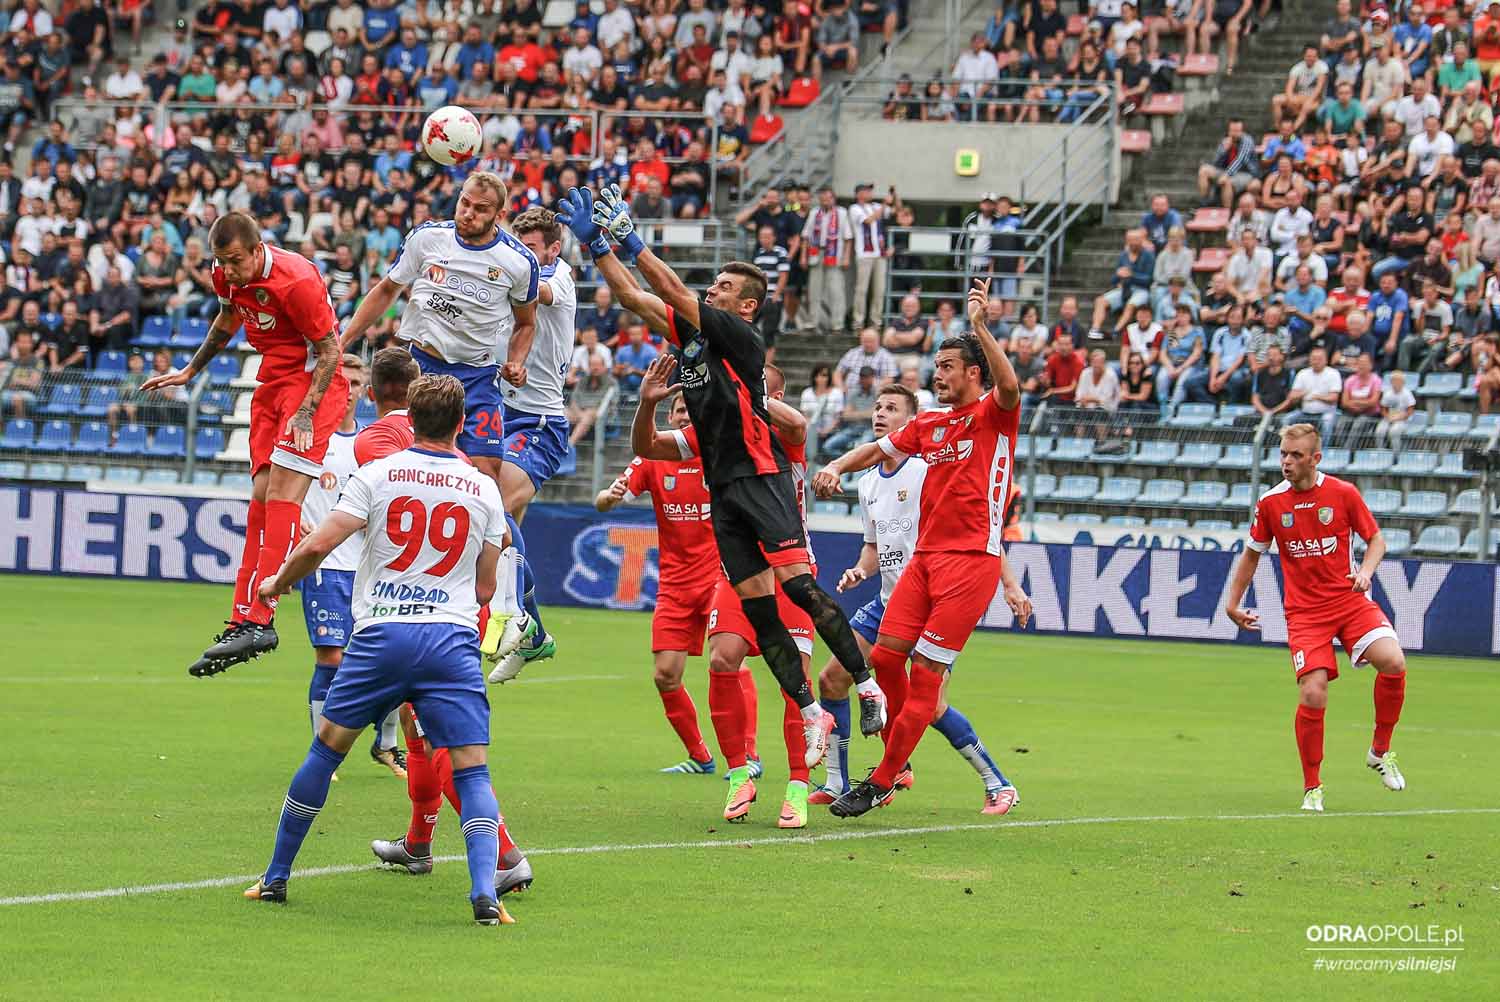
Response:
column 601, row 434
column 942, row 260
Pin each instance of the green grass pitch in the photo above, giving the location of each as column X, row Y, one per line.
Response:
column 1157, row 853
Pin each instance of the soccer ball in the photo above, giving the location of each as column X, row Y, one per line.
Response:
column 451, row 135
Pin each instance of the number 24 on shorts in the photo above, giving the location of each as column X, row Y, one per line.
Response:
column 489, row 425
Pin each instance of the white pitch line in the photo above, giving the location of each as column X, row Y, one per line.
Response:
column 730, row 843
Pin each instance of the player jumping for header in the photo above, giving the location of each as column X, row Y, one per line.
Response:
column 1311, row 516
column 755, row 515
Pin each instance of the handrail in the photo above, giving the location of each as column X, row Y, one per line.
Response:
column 200, row 386
column 601, row 421
column 1038, row 422
column 1261, row 430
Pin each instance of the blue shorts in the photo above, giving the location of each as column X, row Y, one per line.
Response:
column 484, row 430
column 866, row 622
column 326, row 606
column 433, row 666
column 537, row 443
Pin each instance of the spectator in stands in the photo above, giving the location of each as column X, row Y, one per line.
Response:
column 976, row 72
column 1410, row 229
column 1384, row 80
column 1249, row 270
column 771, row 258
column 1159, row 222
column 1028, row 327
column 24, row 382
column 1133, row 77
column 632, row 358
column 911, row 378
column 587, row 399
column 1061, row 373
column 867, row 353
column 1414, row 41
column 1427, row 149
column 1030, row 369
column 1134, row 270
column 1291, row 221
column 116, row 311
column 1471, row 321
column 867, row 221
column 821, row 404
column 1227, row 18
column 1432, row 318
column 1248, row 216
column 1267, row 332
column 1228, row 376
column 1280, row 185
column 1301, row 298
column 602, row 316
column 1359, row 402
column 906, row 332
column 1303, row 257
column 1067, row 320
column 1397, row 404
column 126, row 392
column 1412, row 110
column 156, row 275
column 1316, row 394
column 1143, row 337
column 838, row 41
column 1469, row 116
column 1432, row 267
column 344, row 284
column 825, row 255
column 854, row 421
column 68, row 346
column 1271, row 391
column 1098, row 392
column 1341, row 114
column 793, row 34
column 1389, row 308
column 1306, row 83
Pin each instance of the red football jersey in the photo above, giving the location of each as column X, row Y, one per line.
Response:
column 385, row 437
column 796, row 455
column 969, row 453
column 284, row 309
column 685, row 545
column 1312, row 532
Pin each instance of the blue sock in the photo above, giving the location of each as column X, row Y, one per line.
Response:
column 304, row 799
column 526, row 586
column 960, row 734
column 837, row 765
column 481, row 825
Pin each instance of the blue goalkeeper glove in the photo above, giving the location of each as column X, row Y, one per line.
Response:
column 612, row 214
column 576, row 213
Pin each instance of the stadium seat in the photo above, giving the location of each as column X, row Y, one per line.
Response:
column 195, row 330
column 239, row 483
column 1451, row 464
column 1213, row 525
column 1468, row 502
column 122, row 475
column 1135, row 141
column 1450, row 424
column 93, row 438
column 99, row 399
column 1204, row 64
column 81, row 473
column 12, row 469
column 1230, row 413
column 1126, row 521
column 1205, row 493
column 1119, row 490
column 1046, row 516
column 1211, row 260
column 56, row 436
column 1076, row 488
column 1335, row 460
column 66, row 400
column 183, row 341
column 1083, row 518
column 1424, row 504
column 765, row 128
column 1200, row 454
column 170, row 441
column 1485, row 426
column 1163, row 492
column 20, row 433
column 156, row 332
column 1382, row 501
column 1192, row 416
column 238, row 448
column 1040, row 445
column 1157, row 453
column 1239, row 496
column 1397, row 541
column 213, row 405
column 1416, row 423
column 1042, row 487
column 1237, row 457
column 800, row 93
column 161, row 477
column 131, row 440
column 1439, row 386
column 1371, row 461
column 1209, row 220
column 365, row 412
column 1072, row 449
column 1167, row 524
column 238, row 342
column 181, row 359
column 1168, row 105
column 1437, row 541
column 1415, row 464
column 1470, row 547
column 47, row 471
column 830, row 508
column 205, row 478
column 248, row 372
column 239, row 415
column 109, row 367
column 208, row 443
column 223, row 370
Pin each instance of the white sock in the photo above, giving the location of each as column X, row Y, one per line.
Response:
column 390, row 729
column 869, row 687
column 506, row 573
column 811, row 712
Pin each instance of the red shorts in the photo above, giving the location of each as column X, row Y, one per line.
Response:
column 1357, row 624
column 728, row 616
column 680, row 620
column 272, row 407
column 938, row 601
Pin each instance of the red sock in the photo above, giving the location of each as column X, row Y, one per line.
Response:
column 683, row 716
column 425, row 791
column 796, row 741
column 506, row 842
column 726, row 709
column 1390, row 693
column 484, row 621
column 890, row 675
column 909, row 727
column 1309, row 727
column 443, row 766
column 752, row 712
column 244, row 578
column 282, row 520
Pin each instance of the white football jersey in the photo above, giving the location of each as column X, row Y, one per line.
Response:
column 428, row 515
column 551, row 349
column 338, row 464
column 891, row 507
column 460, row 297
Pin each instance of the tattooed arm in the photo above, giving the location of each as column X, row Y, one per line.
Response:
column 300, row 424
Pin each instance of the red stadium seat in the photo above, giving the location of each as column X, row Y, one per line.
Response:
column 1135, row 141
column 1202, row 65
column 1209, row 221
column 765, row 128
column 803, row 92
column 1163, row 104
column 1077, row 25
column 1211, row 259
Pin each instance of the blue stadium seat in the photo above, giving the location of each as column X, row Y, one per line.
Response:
column 1043, row 487
column 1468, row 501
column 1126, row 521
column 109, row 367
column 1239, row 496
column 46, row 471
column 1397, row 541
column 1157, row 453
column 156, row 332
column 19, row 433
column 223, row 370
column 99, row 399
column 1192, row 416
column 208, row 443
column 1451, row 464
column 1230, row 413
column 1200, row 454
column 205, row 478
column 183, row 340
column 1485, row 426
column 1072, row 449
column 93, row 437
column 180, row 359
column 195, row 329
column 1382, row 501
column 1083, row 518
column 213, row 405
column 1438, row 386
column 12, row 469
column 365, row 412
column 131, row 440
column 56, row 436
column 1205, row 493
column 169, row 441
column 1023, row 442
column 1213, row 525
column 65, row 401
column 122, row 475
column 52, row 321
column 1424, row 504
column 1237, row 457
column 1078, row 487
column 161, row 476
column 1371, row 461
column 1040, row 444
column 1163, row 491
column 238, row 482
column 1450, row 424
column 1335, row 460
column 1271, row 459
column 1437, row 541
column 1415, row 464
column 83, row 472
column 1119, row 490
column 1168, row 524
column 830, row 508
column 1046, row 516
column 1470, row 548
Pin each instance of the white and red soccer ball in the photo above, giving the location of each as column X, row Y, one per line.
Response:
column 451, row 135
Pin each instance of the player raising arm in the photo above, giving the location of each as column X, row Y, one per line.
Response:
column 280, row 298
column 1311, row 517
column 955, row 571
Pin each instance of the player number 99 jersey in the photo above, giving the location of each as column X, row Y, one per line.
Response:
column 428, row 516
